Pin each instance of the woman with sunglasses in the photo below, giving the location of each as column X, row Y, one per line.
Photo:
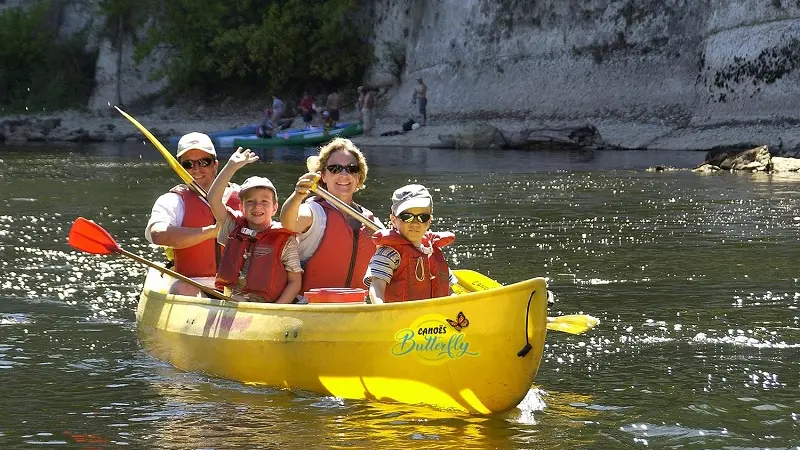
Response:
column 409, row 263
column 334, row 248
column 183, row 222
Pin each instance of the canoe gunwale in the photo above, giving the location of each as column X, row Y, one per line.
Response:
column 335, row 307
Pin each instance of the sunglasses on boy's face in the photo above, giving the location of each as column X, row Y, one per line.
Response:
column 407, row 217
column 202, row 162
column 337, row 168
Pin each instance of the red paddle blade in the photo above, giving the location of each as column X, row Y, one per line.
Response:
column 90, row 237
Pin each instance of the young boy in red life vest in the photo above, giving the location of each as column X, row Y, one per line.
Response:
column 408, row 263
column 260, row 262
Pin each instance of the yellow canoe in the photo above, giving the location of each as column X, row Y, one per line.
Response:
column 458, row 352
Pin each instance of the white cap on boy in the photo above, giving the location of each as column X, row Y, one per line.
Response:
column 254, row 182
column 410, row 196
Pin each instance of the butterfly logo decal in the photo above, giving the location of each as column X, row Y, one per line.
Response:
column 460, row 322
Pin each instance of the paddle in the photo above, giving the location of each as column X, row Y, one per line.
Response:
column 469, row 280
column 472, row 281
column 176, row 166
column 575, row 324
column 90, row 237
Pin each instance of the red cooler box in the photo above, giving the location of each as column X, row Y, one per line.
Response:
column 336, row 295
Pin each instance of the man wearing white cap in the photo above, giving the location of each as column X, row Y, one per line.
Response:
column 182, row 221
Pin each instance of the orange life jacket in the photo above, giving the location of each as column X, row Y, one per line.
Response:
column 266, row 275
column 343, row 254
column 198, row 260
column 418, row 276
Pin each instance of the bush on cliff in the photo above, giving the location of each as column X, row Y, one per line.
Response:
column 280, row 46
column 38, row 69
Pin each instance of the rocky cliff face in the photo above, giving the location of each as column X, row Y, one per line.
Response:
column 71, row 17
column 647, row 73
column 670, row 66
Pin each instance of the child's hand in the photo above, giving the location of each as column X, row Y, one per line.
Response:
column 241, row 158
column 303, row 186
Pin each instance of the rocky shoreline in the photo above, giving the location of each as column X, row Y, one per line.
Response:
column 443, row 131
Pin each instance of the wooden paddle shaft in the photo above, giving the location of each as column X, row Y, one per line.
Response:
column 345, row 208
column 174, row 274
column 171, row 160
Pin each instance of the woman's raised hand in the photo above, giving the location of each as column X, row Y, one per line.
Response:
column 304, row 183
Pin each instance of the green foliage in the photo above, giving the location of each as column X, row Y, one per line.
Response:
column 122, row 18
column 39, row 70
column 280, row 46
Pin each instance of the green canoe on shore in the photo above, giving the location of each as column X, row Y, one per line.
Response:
column 306, row 138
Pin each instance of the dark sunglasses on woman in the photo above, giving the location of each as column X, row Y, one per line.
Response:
column 202, row 162
column 407, row 217
column 336, row 168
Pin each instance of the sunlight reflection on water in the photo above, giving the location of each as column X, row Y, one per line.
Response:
column 693, row 277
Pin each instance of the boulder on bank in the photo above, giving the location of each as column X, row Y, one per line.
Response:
column 756, row 159
column 475, row 135
column 585, row 137
column 484, row 135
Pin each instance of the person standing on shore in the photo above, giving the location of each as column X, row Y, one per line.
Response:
column 368, row 112
column 278, row 107
column 332, row 105
column 307, row 108
column 420, row 97
column 182, row 220
column 360, row 103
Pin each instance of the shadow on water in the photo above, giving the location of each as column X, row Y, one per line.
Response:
column 426, row 160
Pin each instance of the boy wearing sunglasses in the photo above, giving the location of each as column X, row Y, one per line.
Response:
column 408, row 263
column 260, row 262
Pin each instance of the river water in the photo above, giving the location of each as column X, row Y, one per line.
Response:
column 694, row 277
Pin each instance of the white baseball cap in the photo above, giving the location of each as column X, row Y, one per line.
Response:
column 411, row 196
column 254, row 182
column 196, row 141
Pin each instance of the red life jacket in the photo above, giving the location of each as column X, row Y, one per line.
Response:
column 343, row 254
column 266, row 275
column 418, row 276
column 198, row 260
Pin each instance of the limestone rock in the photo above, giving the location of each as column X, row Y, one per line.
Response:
column 756, row 159
column 583, row 137
column 780, row 164
column 476, row 135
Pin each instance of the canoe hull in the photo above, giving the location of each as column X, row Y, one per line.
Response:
column 405, row 352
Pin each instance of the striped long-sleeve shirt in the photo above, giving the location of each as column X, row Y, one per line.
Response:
column 383, row 264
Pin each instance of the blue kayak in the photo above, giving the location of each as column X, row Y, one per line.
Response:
column 240, row 131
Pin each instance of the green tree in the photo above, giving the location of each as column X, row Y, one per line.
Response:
column 224, row 46
column 38, row 69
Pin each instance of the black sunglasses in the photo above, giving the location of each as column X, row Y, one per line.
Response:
column 202, row 162
column 407, row 217
column 336, row 168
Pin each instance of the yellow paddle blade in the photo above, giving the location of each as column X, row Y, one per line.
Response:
column 176, row 166
column 573, row 323
column 473, row 281
column 315, row 183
